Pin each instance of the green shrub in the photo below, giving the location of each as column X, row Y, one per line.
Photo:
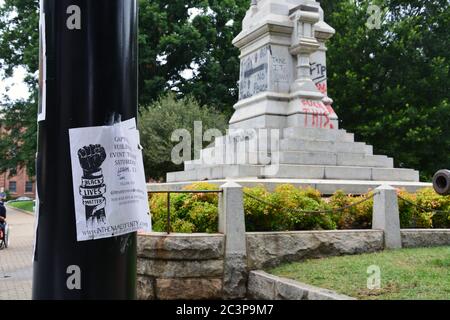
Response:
column 204, row 216
column 260, row 217
column 410, row 215
column 158, row 122
column 406, row 209
column 281, row 210
column 427, row 198
column 292, row 201
column 183, row 226
column 189, row 212
column 284, row 213
column 356, row 217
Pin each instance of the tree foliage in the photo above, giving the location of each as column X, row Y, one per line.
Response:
column 185, row 47
column 19, row 47
column 190, row 37
column 161, row 119
column 390, row 85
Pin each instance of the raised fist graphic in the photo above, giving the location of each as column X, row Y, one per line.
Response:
column 92, row 158
column 93, row 186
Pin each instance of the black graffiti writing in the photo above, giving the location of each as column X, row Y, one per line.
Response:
column 318, row 72
column 249, row 73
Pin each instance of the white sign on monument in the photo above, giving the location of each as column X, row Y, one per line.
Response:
column 109, row 185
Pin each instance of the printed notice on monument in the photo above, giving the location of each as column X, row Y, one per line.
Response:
column 109, row 186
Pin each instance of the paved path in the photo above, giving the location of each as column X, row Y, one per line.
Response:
column 16, row 261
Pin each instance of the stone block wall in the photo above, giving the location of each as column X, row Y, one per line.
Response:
column 193, row 266
column 270, row 249
column 422, row 238
column 180, row 266
column 201, row 266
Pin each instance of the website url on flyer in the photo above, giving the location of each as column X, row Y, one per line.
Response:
column 117, row 229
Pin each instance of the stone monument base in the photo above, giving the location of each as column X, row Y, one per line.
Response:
column 326, row 159
column 326, row 187
column 284, row 129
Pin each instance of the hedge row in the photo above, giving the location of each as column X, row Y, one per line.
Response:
column 199, row 212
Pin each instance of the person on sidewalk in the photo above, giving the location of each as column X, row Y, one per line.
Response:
column 2, row 219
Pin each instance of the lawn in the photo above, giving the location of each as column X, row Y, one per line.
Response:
column 24, row 205
column 408, row 274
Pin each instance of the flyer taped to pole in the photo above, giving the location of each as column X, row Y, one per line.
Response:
column 109, row 185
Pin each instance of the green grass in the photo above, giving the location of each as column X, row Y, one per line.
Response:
column 408, row 274
column 24, row 205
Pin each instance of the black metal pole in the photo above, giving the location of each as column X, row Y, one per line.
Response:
column 91, row 75
column 168, row 213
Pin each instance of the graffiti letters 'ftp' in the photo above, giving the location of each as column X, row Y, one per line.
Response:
column 93, row 186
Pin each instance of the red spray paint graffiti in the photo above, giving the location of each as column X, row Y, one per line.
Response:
column 322, row 87
column 317, row 114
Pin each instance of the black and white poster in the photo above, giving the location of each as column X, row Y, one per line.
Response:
column 42, row 105
column 109, row 185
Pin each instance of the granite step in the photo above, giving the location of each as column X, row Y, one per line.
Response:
column 325, row 146
column 295, row 158
column 284, row 171
column 215, row 172
column 299, row 144
column 318, row 134
column 341, row 173
column 243, row 158
column 332, row 159
column 326, row 187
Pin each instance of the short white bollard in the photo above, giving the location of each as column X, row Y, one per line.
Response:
column 386, row 216
column 232, row 224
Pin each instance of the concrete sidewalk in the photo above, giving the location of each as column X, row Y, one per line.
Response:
column 16, row 261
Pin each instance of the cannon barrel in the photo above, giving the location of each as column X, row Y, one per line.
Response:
column 441, row 182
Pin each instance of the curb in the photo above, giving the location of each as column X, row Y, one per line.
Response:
column 264, row 286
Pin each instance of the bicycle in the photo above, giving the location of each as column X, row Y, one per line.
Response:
column 4, row 237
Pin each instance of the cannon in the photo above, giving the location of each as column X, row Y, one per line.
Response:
column 441, row 182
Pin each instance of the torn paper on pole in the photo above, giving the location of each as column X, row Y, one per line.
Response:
column 109, row 185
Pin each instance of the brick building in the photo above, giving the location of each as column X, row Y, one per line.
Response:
column 19, row 185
